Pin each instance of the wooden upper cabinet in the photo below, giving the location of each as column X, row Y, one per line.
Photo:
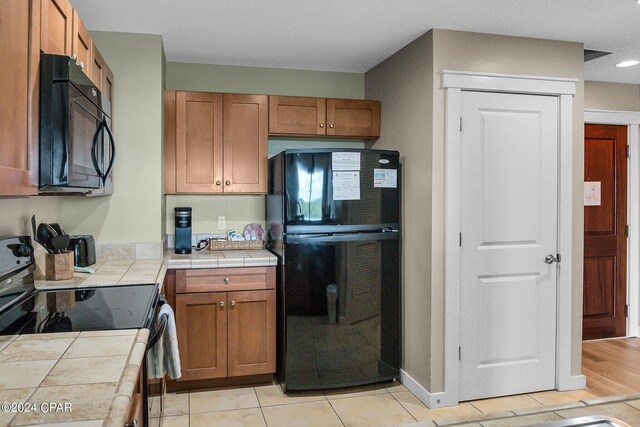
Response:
column 294, row 115
column 19, row 99
column 56, row 27
column 97, row 67
column 353, row 118
column 82, row 45
column 198, row 141
column 201, row 323
column 245, row 143
column 251, row 333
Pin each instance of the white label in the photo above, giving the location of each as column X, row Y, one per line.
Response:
column 385, row 178
column 592, row 193
column 345, row 161
column 346, row 185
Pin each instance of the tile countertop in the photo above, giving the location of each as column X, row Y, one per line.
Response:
column 132, row 272
column 111, row 273
column 95, row 372
column 221, row 259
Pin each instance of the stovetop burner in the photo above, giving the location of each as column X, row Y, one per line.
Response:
column 86, row 309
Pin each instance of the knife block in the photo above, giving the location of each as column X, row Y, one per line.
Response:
column 59, row 266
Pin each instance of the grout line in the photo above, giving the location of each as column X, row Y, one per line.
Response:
column 470, row 402
column 336, row 412
column 403, row 407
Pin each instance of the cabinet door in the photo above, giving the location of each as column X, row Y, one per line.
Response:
column 351, row 117
column 245, row 143
column 81, row 45
column 97, row 67
column 198, row 142
column 56, row 27
column 201, row 322
column 252, row 332
column 19, row 101
column 297, row 115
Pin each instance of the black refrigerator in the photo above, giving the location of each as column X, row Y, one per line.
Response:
column 333, row 220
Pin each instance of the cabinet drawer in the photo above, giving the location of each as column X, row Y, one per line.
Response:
column 225, row 279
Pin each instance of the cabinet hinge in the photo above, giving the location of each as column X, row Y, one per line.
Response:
column 628, row 152
column 626, row 310
column 459, row 353
column 460, row 239
column 626, row 231
column 461, row 124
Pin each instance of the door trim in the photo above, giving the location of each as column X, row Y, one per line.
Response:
column 454, row 82
column 632, row 121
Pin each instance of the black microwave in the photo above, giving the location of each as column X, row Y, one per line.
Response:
column 77, row 150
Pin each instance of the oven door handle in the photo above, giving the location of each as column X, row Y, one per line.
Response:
column 162, row 325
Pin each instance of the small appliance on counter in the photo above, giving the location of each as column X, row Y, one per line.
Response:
column 183, row 230
column 84, row 250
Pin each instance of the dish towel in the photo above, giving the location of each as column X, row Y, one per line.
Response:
column 164, row 357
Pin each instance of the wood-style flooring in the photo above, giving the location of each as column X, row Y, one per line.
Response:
column 612, row 366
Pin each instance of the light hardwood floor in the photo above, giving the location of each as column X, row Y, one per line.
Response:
column 612, row 366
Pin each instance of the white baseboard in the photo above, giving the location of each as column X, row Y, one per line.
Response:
column 574, row 382
column 432, row 400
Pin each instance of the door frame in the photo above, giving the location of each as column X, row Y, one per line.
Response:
column 631, row 120
column 564, row 89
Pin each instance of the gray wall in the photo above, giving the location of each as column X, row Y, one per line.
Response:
column 410, row 81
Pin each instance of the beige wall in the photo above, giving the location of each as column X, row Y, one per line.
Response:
column 15, row 213
column 242, row 210
column 611, row 96
column 403, row 83
column 454, row 50
column 133, row 213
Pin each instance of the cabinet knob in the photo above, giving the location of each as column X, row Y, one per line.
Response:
column 75, row 58
column 218, row 183
column 233, row 303
column 226, row 280
column 228, row 183
column 321, row 125
column 221, row 303
column 81, row 64
column 331, row 125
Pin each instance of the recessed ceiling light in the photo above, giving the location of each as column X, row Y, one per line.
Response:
column 625, row 64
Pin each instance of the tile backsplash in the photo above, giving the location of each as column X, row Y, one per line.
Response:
column 123, row 251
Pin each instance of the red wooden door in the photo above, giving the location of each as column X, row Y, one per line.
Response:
column 605, row 240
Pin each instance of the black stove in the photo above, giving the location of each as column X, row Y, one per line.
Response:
column 26, row 310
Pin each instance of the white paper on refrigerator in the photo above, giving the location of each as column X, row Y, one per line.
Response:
column 346, row 185
column 385, row 178
column 345, row 161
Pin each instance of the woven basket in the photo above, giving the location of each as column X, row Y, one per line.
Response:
column 225, row 245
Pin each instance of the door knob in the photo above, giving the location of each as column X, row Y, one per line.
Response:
column 221, row 303
column 550, row 259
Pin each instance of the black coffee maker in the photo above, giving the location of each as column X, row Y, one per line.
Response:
column 183, row 230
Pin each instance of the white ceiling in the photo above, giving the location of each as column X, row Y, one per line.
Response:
column 355, row 35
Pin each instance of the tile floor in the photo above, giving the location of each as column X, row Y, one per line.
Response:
column 388, row 404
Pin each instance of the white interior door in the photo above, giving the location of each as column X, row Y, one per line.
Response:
column 509, row 217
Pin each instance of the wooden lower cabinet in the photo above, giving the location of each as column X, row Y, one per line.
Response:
column 201, row 322
column 251, row 333
column 225, row 334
